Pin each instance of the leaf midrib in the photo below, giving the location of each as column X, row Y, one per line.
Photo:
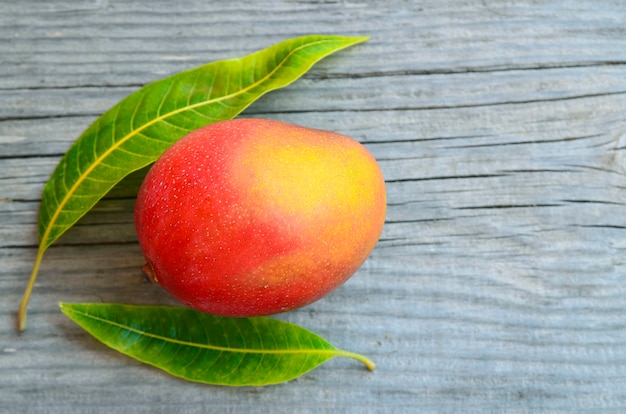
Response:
column 119, row 143
column 329, row 352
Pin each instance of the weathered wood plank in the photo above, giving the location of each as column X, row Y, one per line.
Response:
column 115, row 43
column 498, row 283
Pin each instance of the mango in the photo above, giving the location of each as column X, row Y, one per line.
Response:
column 252, row 217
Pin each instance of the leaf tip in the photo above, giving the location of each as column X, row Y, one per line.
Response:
column 65, row 307
column 353, row 40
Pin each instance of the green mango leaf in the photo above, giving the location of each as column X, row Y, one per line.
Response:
column 136, row 131
column 204, row 348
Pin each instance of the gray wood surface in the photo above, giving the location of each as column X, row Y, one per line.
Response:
column 499, row 283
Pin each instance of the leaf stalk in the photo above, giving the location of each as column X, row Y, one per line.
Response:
column 369, row 364
column 22, row 312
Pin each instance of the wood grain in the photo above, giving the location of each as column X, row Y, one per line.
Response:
column 498, row 283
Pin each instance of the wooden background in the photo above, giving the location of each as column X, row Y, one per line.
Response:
column 499, row 283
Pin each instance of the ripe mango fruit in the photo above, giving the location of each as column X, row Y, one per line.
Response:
column 252, row 217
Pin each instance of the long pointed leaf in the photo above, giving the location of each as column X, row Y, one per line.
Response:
column 136, row 131
column 205, row 348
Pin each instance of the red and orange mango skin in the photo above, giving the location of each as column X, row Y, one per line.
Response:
column 254, row 217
